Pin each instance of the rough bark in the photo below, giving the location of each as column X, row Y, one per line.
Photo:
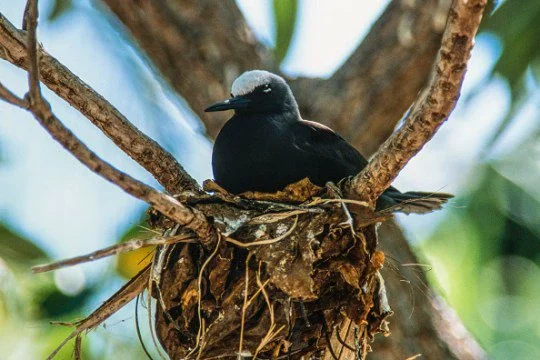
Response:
column 368, row 95
column 421, row 323
column 363, row 100
column 199, row 46
column 148, row 153
column 432, row 107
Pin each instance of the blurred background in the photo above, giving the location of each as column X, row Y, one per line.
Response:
column 482, row 251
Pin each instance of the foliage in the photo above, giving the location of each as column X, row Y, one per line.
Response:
column 486, row 255
column 285, row 15
column 515, row 24
column 59, row 8
column 16, row 250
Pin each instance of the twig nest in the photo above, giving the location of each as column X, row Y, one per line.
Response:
column 279, row 281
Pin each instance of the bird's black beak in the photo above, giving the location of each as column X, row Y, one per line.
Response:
column 229, row 104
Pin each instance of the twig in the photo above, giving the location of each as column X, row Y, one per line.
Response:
column 77, row 351
column 191, row 218
column 159, row 262
column 149, row 294
column 271, row 333
column 138, row 328
column 123, row 296
column 431, row 109
column 148, row 153
column 30, row 21
column 166, row 204
column 346, row 336
column 371, row 91
column 263, row 242
column 11, row 98
column 111, row 250
column 244, row 307
column 199, row 300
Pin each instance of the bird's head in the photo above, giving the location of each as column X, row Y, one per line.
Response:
column 258, row 91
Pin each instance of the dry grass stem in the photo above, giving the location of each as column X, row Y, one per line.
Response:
column 113, row 250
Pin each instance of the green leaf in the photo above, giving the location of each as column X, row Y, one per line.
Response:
column 285, row 14
column 53, row 304
column 16, row 250
column 516, row 23
column 59, row 8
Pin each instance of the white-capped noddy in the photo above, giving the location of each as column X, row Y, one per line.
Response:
column 266, row 145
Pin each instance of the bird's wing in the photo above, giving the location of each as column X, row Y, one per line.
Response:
column 334, row 153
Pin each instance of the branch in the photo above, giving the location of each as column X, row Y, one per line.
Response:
column 11, row 98
column 417, row 324
column 200, row 47
column 99, row 111
column 380, row 80
column 41, row 110
column 370, row 92
column 433, row 106
column 113, row 250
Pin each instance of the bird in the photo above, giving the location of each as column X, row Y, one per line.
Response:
column 266, row 145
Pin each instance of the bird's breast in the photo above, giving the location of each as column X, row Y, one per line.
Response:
column 250, row 156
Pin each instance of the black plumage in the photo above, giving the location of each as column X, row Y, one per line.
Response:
column 266, row 146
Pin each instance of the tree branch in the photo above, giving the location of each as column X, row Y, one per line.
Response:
column 370, row 92
column 433, row 106
column 200, row 47
column 41, row 110
column 149, row 154
column 11, row 98
column 366, row 97
column 416, row 322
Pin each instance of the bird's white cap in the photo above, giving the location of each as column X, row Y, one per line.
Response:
column 248, row 81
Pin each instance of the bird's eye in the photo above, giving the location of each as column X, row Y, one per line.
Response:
column 266, row 88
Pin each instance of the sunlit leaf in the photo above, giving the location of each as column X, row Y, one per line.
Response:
column 128, row 264
column 285, row 14
column 59, row 8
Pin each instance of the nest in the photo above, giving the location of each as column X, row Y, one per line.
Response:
column 291, row 274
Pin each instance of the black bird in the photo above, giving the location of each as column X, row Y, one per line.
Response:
column 266, row 145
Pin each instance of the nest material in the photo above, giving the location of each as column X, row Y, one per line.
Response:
column 279, row 282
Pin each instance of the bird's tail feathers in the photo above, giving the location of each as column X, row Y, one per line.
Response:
column 415, row 202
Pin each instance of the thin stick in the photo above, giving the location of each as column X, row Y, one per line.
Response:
column 271, row 333
column 31, row 20
column 149, row 308
column 77, row 350
column 11, row 98
column 431, row 109
column 244, row 307
column 112, row 250
column 141, row 148
column 166, row 204
column 138, row 328
column 199, row 300
column 41, row 110
column 123, row 296
column 263, row 242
